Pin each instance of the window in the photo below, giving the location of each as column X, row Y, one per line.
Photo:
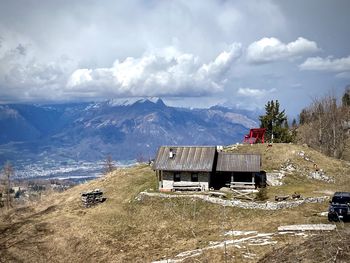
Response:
column 177, row 177
column 194, row 177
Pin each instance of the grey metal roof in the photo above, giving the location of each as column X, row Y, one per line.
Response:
column 234, row 162
column 186, row 158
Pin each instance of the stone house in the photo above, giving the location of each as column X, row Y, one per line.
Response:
column 204, row 167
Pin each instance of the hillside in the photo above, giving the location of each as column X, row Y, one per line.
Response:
column 298, row 161
column 125, row 229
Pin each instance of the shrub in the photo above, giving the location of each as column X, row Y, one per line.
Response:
column 261, row 195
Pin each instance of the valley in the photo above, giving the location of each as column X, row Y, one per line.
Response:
column 66, row 139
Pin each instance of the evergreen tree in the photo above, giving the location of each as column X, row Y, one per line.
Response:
column 303, row 117
column 346, row 97
column 275, row 122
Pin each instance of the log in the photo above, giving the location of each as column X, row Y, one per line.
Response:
column 281, row 198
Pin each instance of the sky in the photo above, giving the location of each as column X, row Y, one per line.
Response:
column 190, row 53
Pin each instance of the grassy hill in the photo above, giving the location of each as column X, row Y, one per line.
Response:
column 302, row 158
column 123, row 229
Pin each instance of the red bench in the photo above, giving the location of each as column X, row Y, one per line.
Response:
column 255, row 135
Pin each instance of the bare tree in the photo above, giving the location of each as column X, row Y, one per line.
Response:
column 8, row 171
column 140, row 158
column 323, row 126
column 109, row 165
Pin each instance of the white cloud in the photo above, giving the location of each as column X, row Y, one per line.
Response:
column 326, row 64
column 25, row 77
column 343, row 75
column 33, row 40
column 166, row 72
column 272, row 49
column 248, row 92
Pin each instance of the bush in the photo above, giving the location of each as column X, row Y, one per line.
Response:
column 261, row 195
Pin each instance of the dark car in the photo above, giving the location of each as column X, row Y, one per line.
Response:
column 339, row 208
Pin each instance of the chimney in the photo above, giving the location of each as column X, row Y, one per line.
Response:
column 171, row 153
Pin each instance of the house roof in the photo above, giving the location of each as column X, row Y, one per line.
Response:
column 185, row 158
column 234, row 162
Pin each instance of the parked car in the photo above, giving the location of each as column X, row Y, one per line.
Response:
column 339, row 208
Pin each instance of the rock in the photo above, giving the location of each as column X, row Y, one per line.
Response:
column 323, row 213
column 225, row 189
column 320, row 175
column 274, row 179
column 303, row 155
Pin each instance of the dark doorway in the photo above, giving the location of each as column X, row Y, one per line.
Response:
column 242, row 177
column 220, row 179
column 223, row 179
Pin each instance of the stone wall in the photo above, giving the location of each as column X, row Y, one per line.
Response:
column 238, row 203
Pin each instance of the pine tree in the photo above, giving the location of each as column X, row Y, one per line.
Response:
column 275, row 122
column 346, row 97
column 303, row 117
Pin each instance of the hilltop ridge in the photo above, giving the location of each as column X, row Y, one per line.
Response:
column 127, row 229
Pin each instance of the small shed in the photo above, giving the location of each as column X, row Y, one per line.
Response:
column 185, row 167
column 237, row 170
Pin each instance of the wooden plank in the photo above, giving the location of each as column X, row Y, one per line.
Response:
column 186, row 184
column 189, row 188
column 242, row 186
column 309, row 227
column 281, row 198
column 243, row 195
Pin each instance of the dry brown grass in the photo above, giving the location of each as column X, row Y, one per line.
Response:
column 59, row 229
column 325, row 247
column 280, row 153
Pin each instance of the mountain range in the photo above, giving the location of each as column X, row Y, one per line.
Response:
column 125, row 129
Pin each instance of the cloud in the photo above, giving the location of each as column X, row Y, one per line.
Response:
column 343, row 75
column 165, row 72
column 326, row 64
column 268, row 50
column 94, row 36
column 23, row 76
column 248, row 92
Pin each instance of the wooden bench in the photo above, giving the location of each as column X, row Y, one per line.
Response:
column 242, row 185
column 187, row 186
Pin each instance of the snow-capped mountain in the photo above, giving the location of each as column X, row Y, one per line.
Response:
column 124, row 128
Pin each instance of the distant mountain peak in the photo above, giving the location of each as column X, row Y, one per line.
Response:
column 133, row 100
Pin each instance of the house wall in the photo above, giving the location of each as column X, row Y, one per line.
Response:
column 168, row 179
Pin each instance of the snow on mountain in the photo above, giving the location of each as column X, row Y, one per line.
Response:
column 131, row 101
